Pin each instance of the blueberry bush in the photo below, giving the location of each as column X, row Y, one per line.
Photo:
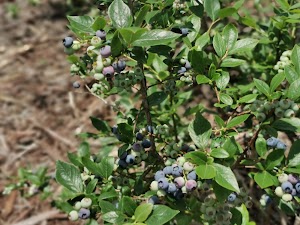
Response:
column 206, row 105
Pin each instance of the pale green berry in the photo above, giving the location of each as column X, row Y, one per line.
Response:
column 90, row 51
column 99, row 67
column 209, row 201
column 276, row 67
column 76, row 45
column 98, row 76
column 169, row 162
column 287, row 197
column 96, row 41
column 86, row 202
column 161, row 193
column 187, row 166
column 284, row 59
column 279, row 192
column 154, row 186
column 180, row 160
column 107, row 62
column 184, row 190
column 280, row 71
column 289, row 113
column 287, row 53
column 74, row 68
column 77, row 205
column 294, row 107
column 73, row 215
column 182, row 61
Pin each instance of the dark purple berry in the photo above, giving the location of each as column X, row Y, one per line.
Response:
column 68, row 42
column 122, row 163
column 163, row 183
column 84, row 213
column 159, row 174
column 139, row 136
column 101, row 34
column 137, row 147
column 153, row 200
column 105, row 51
column 178, row 194
column 146, row 143
column 124, row 155
column 130, row 159
column 192, row 175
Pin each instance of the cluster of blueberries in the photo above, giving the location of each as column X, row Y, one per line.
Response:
column 175, row 180
column 290, row 187
column 126, row 80
column 137, row 152
column 283, row 61
column 273, row 142
column 81, row 210
column 283, row 108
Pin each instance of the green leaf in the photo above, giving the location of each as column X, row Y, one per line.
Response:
column 237, row 120
column 202, row 41
column 291, row 74
column 106, row 166
column 223, row 80
column 161, row 215
column 219, row 153
column 262, row 87
column 157, row 98
column 231, row 146
column 226, row 12
column 293, row 90
column 248, row 98
column 276, row 81
column 74, row 159
column 100, row 125
column 220, row 192
column 141, row 15
column 131, row 34
column 114, row 217
column 125, row 132
column 99, row 23
column 117, row 44
column 243, row 45
column 69, row 176
column 212, row 8
column 84, row 149
column 232, row 62
column 295, row 57
column 230, row 35
column 201, row 79
column 219, row 121
column 205, row 171
column 283, row 4
column 142, row 212
column 120, row 14
column 274, row 159
column 91, row 186
column 155, row 37
column 106, row 206
column 82, row 24
column 91, row 166
column 287, row 124
column 108, row 195
column 127, row 205
column 264, row 179
column 294, row 154
column 261, row 147
column 196, row 157
column 226, row 178
column 219, row 45
column 226, row 99
column 200, row 131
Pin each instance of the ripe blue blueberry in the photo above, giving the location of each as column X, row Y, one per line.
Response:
column 153, row 200
column 84, row 213
column 163, row 183
column 137, row 147
column 159, row 174
column 168, row 170
column 105, row 51
column 122, row 163
column 146, row 143
column 101, row 34
column 139, row 136
column 130, row 159
column 114, row 130
column 108, row 71
column 68, row 42
column 177, row 170
column 172, row 188
column 150, row 129
column 76, row 84
column 231, row 197
column 287, row 187
column 192, row 175
column 184, row 31
column 297, row 187
column 187, row 65
column 121, row 65
column 190, row 185
column 272, row 141
column 281, row 145
column 182, row 70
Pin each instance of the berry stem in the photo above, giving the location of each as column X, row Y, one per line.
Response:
column 174, row 121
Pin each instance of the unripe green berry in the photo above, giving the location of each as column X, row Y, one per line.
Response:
column 86, row 202
column 74, row 68
column 289, row 113
column 69, row 51
column 279, row 112
column 249, row 204
column 276, row 67
column 161, row 193
column 98, row 76
column 173, row 154
column 144, row 156
column 96, row 41
column 210, row 160
column 73, row 215
column 284, row 58
column 261, row 117
column 287, row 53
column 76, row 45
column 99, row 67
column 90, row 51
column 267, row 106
column 107, row 62
column 138, row 71
column 209, row 201
column 184, row 190
column 77, row 205
column 154, row 186
column 210, row 211
column 294, row 107
column 180, row 160
column 285, row 103
column 176, row 147
column 287, row 197
column 280, row 71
